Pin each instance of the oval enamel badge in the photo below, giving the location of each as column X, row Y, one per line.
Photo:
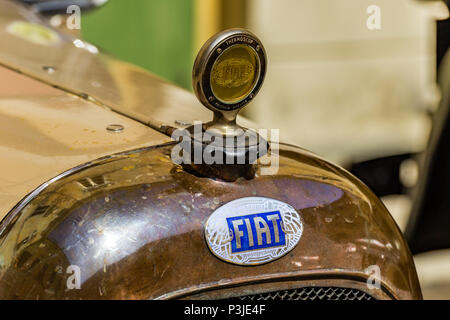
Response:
column 253, row 230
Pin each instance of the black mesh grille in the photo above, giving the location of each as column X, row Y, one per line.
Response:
column 311, row 293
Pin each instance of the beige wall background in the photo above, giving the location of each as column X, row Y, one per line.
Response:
column 339, row 89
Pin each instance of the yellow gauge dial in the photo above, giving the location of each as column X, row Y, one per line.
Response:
column 234, row 74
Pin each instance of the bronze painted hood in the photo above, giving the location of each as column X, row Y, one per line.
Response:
column 134, row 225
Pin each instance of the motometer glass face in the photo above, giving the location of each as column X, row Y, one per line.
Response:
column 229, row 70
column 234, row 73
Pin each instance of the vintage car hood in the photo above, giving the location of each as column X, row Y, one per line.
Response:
column 134, row 226
column 115, row 205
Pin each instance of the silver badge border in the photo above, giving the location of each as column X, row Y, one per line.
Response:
column 218, row 236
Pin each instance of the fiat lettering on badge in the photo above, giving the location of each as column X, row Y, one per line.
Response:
column 256, row 231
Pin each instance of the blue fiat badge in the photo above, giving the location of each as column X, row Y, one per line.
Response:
column 253, row 230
